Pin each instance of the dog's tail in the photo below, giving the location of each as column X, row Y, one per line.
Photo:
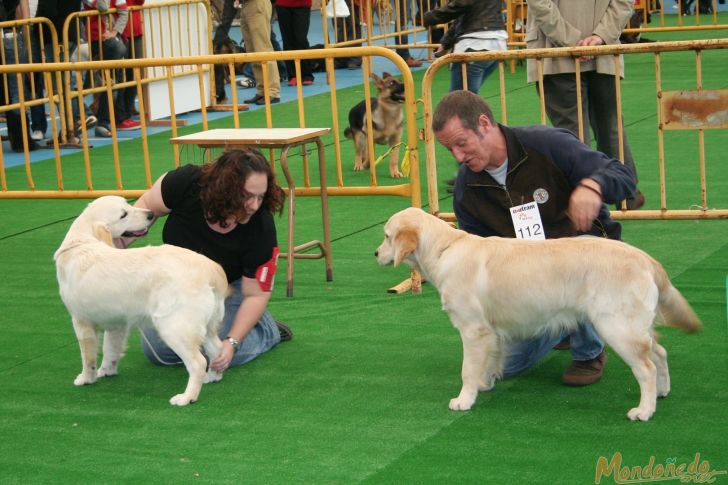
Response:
column 674, row 310
column 348, row 133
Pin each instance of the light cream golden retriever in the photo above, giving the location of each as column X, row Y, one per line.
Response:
column 178, row 292
column 495, row 289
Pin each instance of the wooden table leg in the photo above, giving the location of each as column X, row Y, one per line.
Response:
column 325, row 210
column 291, row 219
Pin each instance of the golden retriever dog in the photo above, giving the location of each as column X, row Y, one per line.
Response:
column 178, row 292
column 496, row 289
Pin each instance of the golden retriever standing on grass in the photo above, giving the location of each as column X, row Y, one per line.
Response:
column 495, row 289
column 177, row 291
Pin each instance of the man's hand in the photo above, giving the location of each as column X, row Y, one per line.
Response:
column 584, row 204
column 589, row 41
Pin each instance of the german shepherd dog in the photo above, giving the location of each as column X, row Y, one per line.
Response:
column 387, row 122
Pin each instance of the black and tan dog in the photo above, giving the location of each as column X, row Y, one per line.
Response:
column 387, row 122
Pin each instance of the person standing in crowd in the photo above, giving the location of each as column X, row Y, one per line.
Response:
column 255, row 23
column 106, row 44
column 348, row 28
column 578, row 23
column 12, row 38
column 502, row 168
column 134, row 42
column 404, row 20
column 294, row 18
column 224, row 210
column 57, row 11
column 477, row 25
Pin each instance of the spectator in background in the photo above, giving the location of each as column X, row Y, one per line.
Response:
column 477, row 26
column 255, row 23
column 404, row 18
column 57, row 11
column 294, row 18
column 578, row 23
column 347, row 28
column 12, row 38
column 134, row 41
column 106, row 44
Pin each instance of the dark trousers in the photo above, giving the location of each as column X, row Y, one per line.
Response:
column 294, row 23
column 599, row 110
column 127, row 96
column 112, row 49
column 349, row 28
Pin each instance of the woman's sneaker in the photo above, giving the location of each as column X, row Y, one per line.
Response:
column 128, row 125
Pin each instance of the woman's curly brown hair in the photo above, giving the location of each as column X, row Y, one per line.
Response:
column 222, row 185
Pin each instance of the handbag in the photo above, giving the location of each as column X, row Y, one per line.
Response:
column 342, row 9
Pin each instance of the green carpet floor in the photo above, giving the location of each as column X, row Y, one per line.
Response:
column 360, row 394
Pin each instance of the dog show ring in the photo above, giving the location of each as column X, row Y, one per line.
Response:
column 283, row 139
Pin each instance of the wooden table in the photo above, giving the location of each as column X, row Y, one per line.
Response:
column 283, row 139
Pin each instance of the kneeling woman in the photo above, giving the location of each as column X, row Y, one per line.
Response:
column 224, row 210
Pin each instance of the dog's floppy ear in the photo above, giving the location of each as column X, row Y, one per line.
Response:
column 103, row 234
column 405, row 242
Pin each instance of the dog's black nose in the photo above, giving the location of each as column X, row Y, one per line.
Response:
column 376, row 254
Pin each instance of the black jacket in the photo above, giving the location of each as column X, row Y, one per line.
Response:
column 469, row 16
column 549, row 162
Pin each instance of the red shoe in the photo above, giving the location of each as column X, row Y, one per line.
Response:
column 293, row 82
column 307, row 82
column 128, row 125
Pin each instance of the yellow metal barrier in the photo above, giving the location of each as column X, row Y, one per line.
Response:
column 696, row 110
column 107, row 173
column 394, row 18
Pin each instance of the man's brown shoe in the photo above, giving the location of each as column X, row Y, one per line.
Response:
column 585, row 372
column 412, row 62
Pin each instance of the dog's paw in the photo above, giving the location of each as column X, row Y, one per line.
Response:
column 639, row 414
column 83, row 379
column 460, row 404
column 396, row 174
column 359, row 166
column 212, row 376
column 181, row 400
column 107, row 371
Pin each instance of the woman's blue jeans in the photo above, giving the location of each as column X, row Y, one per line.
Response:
column 477, row 73
column 263, row 337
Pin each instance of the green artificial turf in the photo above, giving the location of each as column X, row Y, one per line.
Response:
column 360, row 394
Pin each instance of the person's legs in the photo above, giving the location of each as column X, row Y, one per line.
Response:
column 255, row 18
column 478, row 72
column 301, row 23
column 523, row 354
column 228, row 15
column 404, row 53
column 603, row 117
column 126, row 98
column 263, row 337
column 560, row 93
column 286, row 24
column 38, row 121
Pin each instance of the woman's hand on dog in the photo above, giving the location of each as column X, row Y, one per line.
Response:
column 222, row 362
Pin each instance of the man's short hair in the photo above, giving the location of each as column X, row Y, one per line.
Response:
column 465, row 105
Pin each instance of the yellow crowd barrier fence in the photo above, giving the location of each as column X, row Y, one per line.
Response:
column 677, row 105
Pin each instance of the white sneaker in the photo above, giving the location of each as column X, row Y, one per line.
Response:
column 246, row 82
column 37, row 135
